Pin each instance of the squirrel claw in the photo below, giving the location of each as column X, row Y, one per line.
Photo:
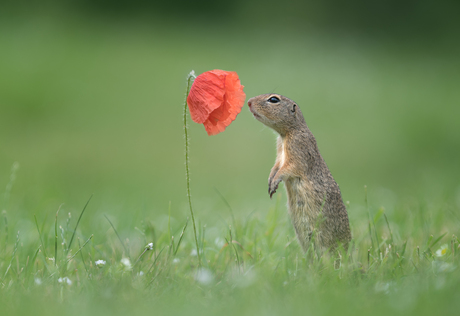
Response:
column 272, row 188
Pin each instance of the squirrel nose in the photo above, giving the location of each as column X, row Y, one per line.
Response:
column 249, row 103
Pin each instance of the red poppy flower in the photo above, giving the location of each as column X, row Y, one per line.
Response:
column 215, row 99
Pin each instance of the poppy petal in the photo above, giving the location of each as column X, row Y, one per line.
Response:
column 215, row 99
column 206, row 95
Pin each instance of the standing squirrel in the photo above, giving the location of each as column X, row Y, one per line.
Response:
column 314, row 199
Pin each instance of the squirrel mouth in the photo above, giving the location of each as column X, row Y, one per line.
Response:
column 254, row 113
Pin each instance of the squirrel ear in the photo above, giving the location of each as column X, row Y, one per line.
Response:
column 293, row 108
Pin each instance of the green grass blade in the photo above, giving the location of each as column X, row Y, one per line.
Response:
column 156, row 259
column 87, row 241
column 230, row 209
column 121, row 242
column 12, row 257
column 169, row 220
column 437, row 240
column 56, row 236
column 181, row 237
column 389, row 228
column 78, row 222
column 5, row 220
column 82, row 259
column 369, row 217
column 140, row 256
column 40, row 236
column 403, row 251
column 31, row 263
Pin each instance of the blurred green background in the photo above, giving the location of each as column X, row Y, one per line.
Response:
column 92, row 92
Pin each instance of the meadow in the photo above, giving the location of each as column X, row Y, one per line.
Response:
column 91, row 119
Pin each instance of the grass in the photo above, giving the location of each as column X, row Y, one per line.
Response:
column 94, row 107
column 261, row 272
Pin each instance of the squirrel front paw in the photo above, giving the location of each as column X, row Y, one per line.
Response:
column 273, row 186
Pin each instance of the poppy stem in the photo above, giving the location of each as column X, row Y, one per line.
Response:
column 191, row 76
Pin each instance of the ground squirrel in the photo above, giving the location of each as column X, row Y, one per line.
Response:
column 310, row 187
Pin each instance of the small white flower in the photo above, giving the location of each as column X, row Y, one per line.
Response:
column 193, row 252
column 442, row 267
column 51, row 259
column 127, row 263
column 38, row 281
column 442, row 251
column 100, row 263
column 204, row 276
column 219, row 242
column 65, row 280
column 245, row 280
column 440, row 282
column 141, row 273
column 382, row 287
column 149, row 246
column 176, row 260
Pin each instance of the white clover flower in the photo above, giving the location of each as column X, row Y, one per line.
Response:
column 204, row 276
column 65, row 280
column 176, row 260
column 149, row 246
column 100, row 263
column 38, row 281
column 442, row 251
column 141, row 273
column 127, row 263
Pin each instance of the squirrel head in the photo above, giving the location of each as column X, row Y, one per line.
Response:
column 277, row 112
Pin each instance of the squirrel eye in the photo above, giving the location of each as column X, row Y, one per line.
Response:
column 273, row 100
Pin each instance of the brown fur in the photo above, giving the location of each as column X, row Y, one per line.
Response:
column 314, row 199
